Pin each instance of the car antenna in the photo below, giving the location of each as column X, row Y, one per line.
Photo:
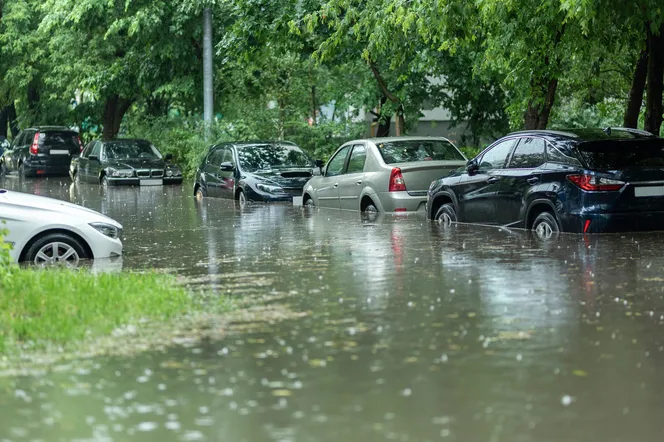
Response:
column 608, row 131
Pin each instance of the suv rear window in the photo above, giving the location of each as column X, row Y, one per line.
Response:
column 68, row 140
column 625, row 154
column 406, row 151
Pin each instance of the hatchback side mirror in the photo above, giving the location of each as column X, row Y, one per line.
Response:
column 227, row 166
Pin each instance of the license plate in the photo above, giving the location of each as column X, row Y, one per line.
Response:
column 158, row 182
column 59, row 152
column 649, row 191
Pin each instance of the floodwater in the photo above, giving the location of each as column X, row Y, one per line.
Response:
column 412, row 334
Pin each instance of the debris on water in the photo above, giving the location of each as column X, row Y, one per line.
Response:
column 566, row 400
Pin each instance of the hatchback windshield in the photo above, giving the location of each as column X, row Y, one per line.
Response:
column 628, row 154
column 272, row 156
column 406, row 151
column 126, row 150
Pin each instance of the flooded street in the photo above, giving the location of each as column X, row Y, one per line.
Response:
column 412, row 333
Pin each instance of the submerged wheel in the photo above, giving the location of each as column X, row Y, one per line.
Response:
column 545, row 226
column 21, row 170
column 446, row 215
column 370, row 208
column 56, row 248
column 104, row 182
column 309, row 203
column 3, row 169
column 200, row 194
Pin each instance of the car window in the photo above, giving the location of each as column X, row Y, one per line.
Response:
column 87, row 149
column 130, row 149
column 96, row 150
column 227, row 156
column 496, row 157
column 357, row 159
column 529, row 153
column 215, row 158
column 28, row 138
column 266, row 157
column 406, row 151
column 60, row 139
column 556, row 156
column 16, row 142
column 336, row 165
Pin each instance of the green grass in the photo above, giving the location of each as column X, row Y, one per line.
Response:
column 60, row 306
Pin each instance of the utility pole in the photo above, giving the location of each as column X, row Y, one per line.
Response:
column 208, row 80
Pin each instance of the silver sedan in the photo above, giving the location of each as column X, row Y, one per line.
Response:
column 382, row 174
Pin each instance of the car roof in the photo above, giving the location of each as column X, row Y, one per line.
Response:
column 132, row 140
column 250, row 143
column 377, row 140
column 588, row 134
column 51, row 129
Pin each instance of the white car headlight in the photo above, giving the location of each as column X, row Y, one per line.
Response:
column 107, row 229
column 268, row 188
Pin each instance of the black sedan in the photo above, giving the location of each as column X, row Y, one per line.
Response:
column 124, row 162
column 258, row 171
column 577, row 180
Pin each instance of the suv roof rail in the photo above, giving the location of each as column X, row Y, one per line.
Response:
column 633, row 131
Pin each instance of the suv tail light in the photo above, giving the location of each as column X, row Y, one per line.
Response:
column 34, row 148
column 594, row 183
column 397, row 183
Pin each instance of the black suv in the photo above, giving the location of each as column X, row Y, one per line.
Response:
column 577, row 180
column 41, row 151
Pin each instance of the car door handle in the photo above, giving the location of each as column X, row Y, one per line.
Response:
column 359, row 182
column 492, row 180
column 533, row 180
column 336, row 185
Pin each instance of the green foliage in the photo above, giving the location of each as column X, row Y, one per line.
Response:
column 5, row 261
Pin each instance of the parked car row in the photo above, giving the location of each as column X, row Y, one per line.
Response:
column 577, row 180
column 55, row 150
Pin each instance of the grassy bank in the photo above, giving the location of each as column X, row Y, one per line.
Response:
column 41, row 307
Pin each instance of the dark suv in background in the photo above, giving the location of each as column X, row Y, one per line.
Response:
column 41, row 151
column 577, row 180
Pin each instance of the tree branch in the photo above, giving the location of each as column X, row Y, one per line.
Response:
column 382, row 85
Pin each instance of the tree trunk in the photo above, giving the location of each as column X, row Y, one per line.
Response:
column 3, row 121
column 539, row 109
column 13, row 120
column 33, row 97
column 655, row 82
column 400, row 122
column 114, row 110
column 635, row 97
column 383, row 121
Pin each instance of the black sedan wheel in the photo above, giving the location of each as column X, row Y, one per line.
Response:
column 56, row 248
column 104, row 182
column 446, row 215
column 3, row 169
column 200, row 194
column 242, row 198
column 546, row 226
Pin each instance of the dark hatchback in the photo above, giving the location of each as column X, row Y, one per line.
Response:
column 124, row 162
column 577, row 180
column 42, row 151
column 258, row 171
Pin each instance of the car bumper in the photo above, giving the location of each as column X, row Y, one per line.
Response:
column 402, row 202
column 113, row 181
column 612, row 222
column 44, row 167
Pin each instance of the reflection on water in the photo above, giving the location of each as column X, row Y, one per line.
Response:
column 415, row 333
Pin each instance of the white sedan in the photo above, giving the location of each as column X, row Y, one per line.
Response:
column 48, row 231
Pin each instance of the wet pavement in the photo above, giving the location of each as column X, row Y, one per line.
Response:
column 413, row 334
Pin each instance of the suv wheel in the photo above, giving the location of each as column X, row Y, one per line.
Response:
column 546, row 226
column 446, row 215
